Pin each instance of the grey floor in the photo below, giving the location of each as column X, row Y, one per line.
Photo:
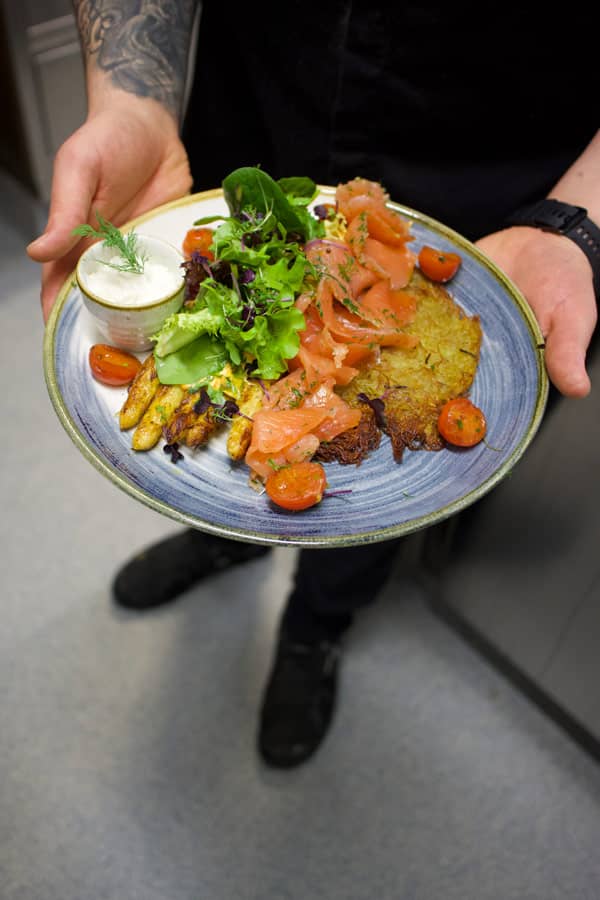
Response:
column 127, row 762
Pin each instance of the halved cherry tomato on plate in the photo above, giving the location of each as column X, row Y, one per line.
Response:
column 198, row 240
column 437, row 265
column 113, row 366
column 297, row 486
column 462, row 423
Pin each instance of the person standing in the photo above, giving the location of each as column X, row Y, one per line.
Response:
column 464, row 117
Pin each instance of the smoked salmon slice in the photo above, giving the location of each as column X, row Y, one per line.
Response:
column 276, row 429
column 383, row 306
column 345, row 325
column 319, row 367
column 395, row 263
column 339, row 416
column 359, row 196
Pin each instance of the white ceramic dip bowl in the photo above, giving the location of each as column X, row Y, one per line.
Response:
column 128, row 308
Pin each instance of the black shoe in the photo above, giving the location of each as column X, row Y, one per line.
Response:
column 299, row 702
column 165, row 570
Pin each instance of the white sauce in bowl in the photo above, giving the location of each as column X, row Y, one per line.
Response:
column 131, row 289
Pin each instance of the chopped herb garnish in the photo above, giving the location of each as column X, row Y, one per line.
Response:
column 126, row 245
column 298, row 398
column 351, row 305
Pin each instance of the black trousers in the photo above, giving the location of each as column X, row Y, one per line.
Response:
column 330, row 585
column 380, row 91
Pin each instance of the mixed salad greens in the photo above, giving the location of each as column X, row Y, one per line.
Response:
column 240, row 306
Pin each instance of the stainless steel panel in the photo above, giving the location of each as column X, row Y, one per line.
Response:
column 58, row 76
column 37, row 11
column 49, row 79
column 523, row 561
column 572, row 675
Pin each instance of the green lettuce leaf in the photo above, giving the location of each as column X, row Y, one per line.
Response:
column 202, row 358
column 182, row 328
column 299, row 190
column 271, row 341
column 251, row 188
column 281, row 278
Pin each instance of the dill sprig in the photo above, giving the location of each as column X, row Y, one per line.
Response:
column 126, row 245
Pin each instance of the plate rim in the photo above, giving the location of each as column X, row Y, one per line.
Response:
column 372, row 536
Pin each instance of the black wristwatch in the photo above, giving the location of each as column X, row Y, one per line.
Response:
column 562, row 218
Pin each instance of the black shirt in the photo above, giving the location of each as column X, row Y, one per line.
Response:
column 463, row 112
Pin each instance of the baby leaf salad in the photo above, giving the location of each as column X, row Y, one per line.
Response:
column 240, row 305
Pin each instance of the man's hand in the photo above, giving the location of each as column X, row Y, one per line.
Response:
column 556, row 279
column 123, row 161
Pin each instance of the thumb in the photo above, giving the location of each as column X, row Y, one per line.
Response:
column 567, row 340
column 74, row 184
column 565, row 358
column 54, row 275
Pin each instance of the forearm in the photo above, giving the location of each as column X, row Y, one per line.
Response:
column 139, row 47
column 580, row 185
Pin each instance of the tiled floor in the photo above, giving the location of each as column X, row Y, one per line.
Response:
column 127, row 741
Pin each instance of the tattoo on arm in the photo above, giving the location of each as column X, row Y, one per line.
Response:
column 141, row 44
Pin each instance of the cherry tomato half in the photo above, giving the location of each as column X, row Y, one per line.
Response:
column 297, row 486
column 113, row 366
column 199, row 240
column 462, row 423
column 438, row 266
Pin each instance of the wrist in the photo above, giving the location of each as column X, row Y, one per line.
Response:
column 568, row 221
column 104, row 96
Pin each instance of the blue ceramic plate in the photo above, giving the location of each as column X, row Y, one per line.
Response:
column 382, row 499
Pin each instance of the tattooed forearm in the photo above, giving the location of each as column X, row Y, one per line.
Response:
column 141, row 44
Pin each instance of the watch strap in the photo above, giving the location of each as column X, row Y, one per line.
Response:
column 571, row 221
